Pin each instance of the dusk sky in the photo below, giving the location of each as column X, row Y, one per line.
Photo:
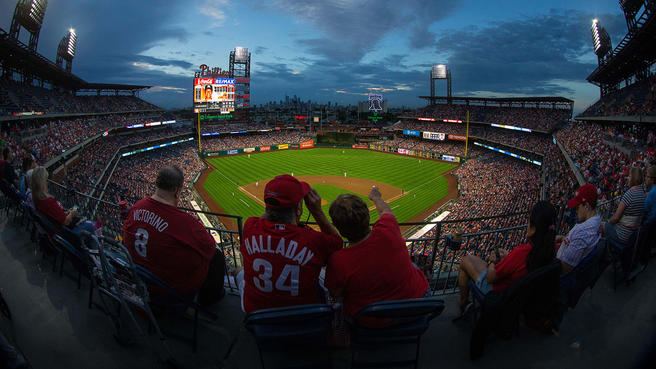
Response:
column 336, row 50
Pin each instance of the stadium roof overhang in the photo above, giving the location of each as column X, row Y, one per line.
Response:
column 557, row 100
column 16, row 56
column 635, row 52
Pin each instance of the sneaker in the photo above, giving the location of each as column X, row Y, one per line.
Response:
column 466, row 309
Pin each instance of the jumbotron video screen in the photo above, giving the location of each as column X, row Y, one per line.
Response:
column 214, row 95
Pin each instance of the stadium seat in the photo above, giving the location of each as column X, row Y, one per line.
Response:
column 534, row 296
column 623, row 257
column 173, row 301
column 46, row 230
column 584, row 275
column 117, row 278
column 295, row 325
column 409, row 320
column 71, row 246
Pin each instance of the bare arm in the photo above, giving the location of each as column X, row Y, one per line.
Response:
column 566, row 268
column 381, row 206
column 69, row 217
column 618, row 213
column 313, row 203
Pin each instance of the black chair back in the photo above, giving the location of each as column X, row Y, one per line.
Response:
column 291, row 323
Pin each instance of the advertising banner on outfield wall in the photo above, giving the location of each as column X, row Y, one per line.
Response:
column 283, row 147
column 450, row 158
column 233, row 152
column 410, row 132
column 434, row 136
column 404, row 151
column 265, row 148
column 307, row 144
column 360, row 146
column 457, row 137
column 249, row 149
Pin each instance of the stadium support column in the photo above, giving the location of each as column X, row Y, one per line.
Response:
column 467, row 134
column 200, row 149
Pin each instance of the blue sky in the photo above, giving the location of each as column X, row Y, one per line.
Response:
column 336, row 50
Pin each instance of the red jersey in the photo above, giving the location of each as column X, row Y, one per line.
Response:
column 282, row 263
column 51, row 209
column 512, row 267
column 377, row 269
column 170, row 243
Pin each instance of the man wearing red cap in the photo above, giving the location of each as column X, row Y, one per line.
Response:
column 586, row 233
column 282, row 260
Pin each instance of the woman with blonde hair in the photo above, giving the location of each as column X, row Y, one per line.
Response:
column 620, row 227
column 46, row 204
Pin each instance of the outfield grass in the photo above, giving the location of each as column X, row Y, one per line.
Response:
column 422, row 178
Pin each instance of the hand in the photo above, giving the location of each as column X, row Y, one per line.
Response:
column 313, row 201
column 375, row 194
column 560, row 238
column 73, row 212
column 503, row 253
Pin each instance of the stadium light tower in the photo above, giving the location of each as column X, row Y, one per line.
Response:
column 440, row 71
column 28, row 14
column 600, row 40
column 66, row 50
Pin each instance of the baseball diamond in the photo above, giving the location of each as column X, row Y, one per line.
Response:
column 414, row 188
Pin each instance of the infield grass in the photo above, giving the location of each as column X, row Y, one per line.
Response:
column 421, row 179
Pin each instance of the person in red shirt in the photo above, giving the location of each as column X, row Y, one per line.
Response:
column 48, row 206
column 376, row 266
column 282, row 259
column 172, row 244
column 511, row 266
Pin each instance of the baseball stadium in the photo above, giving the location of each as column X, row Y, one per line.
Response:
column 507, row 222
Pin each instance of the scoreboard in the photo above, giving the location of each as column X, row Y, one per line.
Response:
column 214, row 95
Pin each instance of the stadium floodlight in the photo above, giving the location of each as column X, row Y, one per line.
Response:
column 439, row 71
column 71, row 43
column 241, row 53
column 36, row 13
column 600, row 39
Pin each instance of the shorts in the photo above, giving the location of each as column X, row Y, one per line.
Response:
column 481, row 283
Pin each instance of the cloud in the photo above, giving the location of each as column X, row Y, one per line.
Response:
column 352, row 28
column 525, row 56
column 169, row 88
column 215, row 10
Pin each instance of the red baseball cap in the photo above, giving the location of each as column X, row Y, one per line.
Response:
column 284, row 191
column 586, row 193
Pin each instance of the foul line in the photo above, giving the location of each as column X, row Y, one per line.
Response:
column 244, row 202
column 242, row 189
column 224, row 176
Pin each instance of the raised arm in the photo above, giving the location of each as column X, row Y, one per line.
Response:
column 313, row 203
column 381, row 206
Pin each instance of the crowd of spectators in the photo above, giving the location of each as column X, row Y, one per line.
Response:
column 542, row 119
column 636, row 99
column 243, row 140
column 228, row 127
column 17, row 97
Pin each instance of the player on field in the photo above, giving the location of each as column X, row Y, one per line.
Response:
column 282, row 259
column 172, row 244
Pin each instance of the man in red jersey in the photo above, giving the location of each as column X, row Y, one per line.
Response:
column 282, row 260
column 172, row 244
column 376, row 266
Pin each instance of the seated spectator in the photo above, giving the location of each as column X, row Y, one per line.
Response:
column 282, row 259
column 511, row 266
column 650, row 202
column 45, row 204
column 376, row 266
column 172, row 244
column 627, row 218
column 583, row 237
column 23, row 183
column 8, row 172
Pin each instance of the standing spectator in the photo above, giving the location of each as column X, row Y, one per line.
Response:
column 620, row 227
column 23, row 183
column 282, row 259
column 172, row 244
column 499, row 274
column 8, row 172
column 376, row 266
column 583, row 237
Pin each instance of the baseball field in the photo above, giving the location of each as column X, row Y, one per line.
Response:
column 413, row 187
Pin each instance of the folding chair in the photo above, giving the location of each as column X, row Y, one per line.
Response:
column 72, row 249
column 46, row 231
column 173, row 301
column 117, row 278
column 410, row 318
column 300, row 324
column 534, row 295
